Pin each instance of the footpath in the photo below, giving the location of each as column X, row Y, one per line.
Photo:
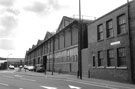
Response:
column 84, row 80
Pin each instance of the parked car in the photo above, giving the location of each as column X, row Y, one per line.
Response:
column 11, row 67
column 39, row 68
column 30, row 68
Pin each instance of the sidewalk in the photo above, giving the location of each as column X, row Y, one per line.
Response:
column 84, row 80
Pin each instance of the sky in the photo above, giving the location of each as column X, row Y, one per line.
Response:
column 23, row 22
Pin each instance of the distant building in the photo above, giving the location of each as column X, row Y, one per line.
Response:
column 3, row 63
column 15, row 61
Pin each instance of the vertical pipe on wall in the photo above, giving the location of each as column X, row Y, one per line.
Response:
column 130, row 44
column 53, row 56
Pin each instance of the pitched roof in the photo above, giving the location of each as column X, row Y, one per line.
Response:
column 48, row 35
column 64, row 22
column 39, row 42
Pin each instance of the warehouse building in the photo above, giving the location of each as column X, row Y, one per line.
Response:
column 59, row 51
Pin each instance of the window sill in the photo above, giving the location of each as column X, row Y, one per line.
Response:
column 110, row 67
column 93, row 67
column 121, row 67
column 121, row 34
column 100, row 40
column 108, row 38
column 100, row 67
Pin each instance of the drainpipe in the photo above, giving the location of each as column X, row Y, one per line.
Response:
column 130, row 44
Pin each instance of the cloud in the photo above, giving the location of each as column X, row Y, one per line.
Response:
column 13, row 11
column 7, row 25
column 44, row 7
column 6, row 44
column 7, row 3
column 37, row 7
column 55, row 4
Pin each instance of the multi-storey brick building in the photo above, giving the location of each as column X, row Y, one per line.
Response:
column 111, row 45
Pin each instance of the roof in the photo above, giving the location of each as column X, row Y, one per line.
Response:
column 64, row 22
column 48, row 35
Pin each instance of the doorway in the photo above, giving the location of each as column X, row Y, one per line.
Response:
column 45, row 62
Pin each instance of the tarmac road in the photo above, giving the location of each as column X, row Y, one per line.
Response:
column 30, row 80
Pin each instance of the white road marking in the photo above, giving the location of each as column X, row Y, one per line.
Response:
column 27, row 79
column 8, row 77
column 17, row 76
column 4, row 84
column 74, row 87
column 48, row 87
column 20, row 88
column 6, row 71
column 104, row 86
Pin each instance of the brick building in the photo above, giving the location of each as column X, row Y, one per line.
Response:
column 60, row 48
column 111, row 43
column 108, row 46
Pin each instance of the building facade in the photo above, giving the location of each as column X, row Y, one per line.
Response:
column 111, row 45
column 59, row 51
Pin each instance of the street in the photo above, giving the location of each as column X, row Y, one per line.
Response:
column 11, row 79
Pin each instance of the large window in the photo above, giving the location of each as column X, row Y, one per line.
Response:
column 109, row 27
column 100, row 58
column 121, row 24
column 121, row 56
column 100, row 32
column 110, row 57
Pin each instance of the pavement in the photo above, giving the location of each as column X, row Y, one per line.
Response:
column 72, row 78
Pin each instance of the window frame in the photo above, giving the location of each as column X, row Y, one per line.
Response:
column 100, row 58
column 100, row 34
column 121, row 22
column 109, row 29
column 110, row 58
column 121, row 57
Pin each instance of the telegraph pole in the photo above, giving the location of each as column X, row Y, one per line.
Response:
column 80, row 43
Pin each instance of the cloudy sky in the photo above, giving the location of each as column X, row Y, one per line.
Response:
column 23, row 22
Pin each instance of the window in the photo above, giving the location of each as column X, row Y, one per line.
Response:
column 121, row 57
column 109, row 27
column 121, row 24
column 100, row 58
column 94, row 61
column 110, row 57
column 100, row 32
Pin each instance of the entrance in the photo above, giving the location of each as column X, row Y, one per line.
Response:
column 45, row 62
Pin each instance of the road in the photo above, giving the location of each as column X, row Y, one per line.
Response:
column 14, row 80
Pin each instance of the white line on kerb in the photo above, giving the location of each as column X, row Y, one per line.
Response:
column 4, row 84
